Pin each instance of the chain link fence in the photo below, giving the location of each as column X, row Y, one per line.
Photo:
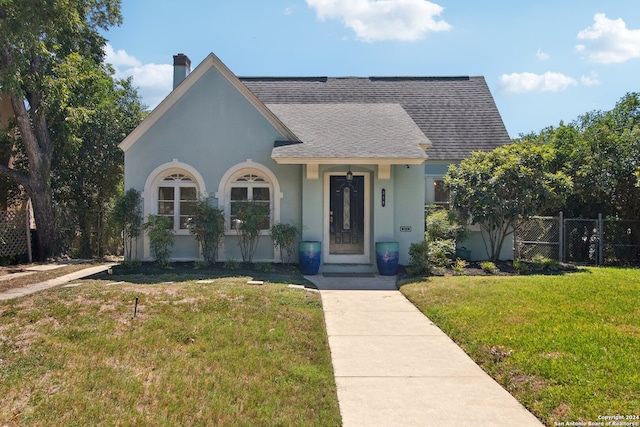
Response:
column 578, row 240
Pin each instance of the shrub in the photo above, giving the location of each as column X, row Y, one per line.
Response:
column 520, row 267
column 231, row 264
column 419, row 258
column 488, row 267
column 250, row 220
column 264, row 267
column 443, row 224
column 441, row 251
column 207, row 225
column 459, row 266
column 543, row 263
column 284, row 237
column 161, row 235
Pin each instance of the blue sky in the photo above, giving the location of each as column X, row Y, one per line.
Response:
column 544, row 61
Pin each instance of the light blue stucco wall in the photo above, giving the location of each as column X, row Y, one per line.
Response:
column 213, row 127
column 409, row 207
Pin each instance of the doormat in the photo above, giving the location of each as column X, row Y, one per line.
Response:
column 370, row 275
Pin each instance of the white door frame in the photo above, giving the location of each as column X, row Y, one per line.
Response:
column 364, row 258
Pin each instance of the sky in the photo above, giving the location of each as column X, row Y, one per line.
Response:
column 545, row 61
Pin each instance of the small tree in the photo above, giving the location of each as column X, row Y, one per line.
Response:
column 161, row 234
column 250, row 221
column 207, row 225
column 284, row 238
column 127, row 214
column 497, row 188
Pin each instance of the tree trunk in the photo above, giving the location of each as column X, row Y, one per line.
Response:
column 47, row 230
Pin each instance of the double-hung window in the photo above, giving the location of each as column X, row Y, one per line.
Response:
column 177, row 195
column 441, row 196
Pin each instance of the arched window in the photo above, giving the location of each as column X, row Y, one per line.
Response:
column 249, row 182
column 171, row 190
column 177, row 194
column 246, row 188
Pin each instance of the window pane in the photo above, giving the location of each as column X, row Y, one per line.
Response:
column 165, row 193
column 261, row 193
column 441, row 196
column 183, row 221
column 188, row 193
column 187, row 208
column 165, row 208
column 239, row 193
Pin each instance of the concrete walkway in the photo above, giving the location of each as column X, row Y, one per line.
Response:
column 394, row 367
column 36, row 287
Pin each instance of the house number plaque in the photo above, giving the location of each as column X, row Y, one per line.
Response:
column 405, row 228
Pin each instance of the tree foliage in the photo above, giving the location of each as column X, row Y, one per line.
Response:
column 495, row 189
column 36, row 40
column 96, row 113
column 601, row 152
column 161, row 236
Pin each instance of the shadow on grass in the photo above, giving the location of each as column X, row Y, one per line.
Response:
column 151, row 273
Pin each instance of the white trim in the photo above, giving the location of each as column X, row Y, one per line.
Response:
column 211, row 61
column 150, row 193
column 346, row 259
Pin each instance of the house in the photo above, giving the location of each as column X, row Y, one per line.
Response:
column 349, row 161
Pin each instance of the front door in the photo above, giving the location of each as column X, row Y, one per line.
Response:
column 346, row 230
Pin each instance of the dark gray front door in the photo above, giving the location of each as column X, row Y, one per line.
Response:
column 346, row 215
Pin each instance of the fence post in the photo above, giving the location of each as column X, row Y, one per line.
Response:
column 561, row 237
column 600, row 240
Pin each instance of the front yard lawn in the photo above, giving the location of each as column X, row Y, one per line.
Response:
column 216, row 353
column 566, row 346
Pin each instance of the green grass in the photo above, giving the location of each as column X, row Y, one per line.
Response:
column 220, row 353
column 566, row 346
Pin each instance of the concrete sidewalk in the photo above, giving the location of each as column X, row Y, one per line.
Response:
column 394, row 367
column 36, row 287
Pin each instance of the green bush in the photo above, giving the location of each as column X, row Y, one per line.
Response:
column 540, row 262
column 207, row 225
column 520, row 267
column 264, row 267
column 250, row 221
column 419, row 258
column 441, row 251
column 459, row 266
column 231, row 264
column 488, row 267
column 284, row 238
column 443, row 224
column 161, row 235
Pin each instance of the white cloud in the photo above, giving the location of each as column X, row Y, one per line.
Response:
column 376, row 20
column 154, row 81
column 530, row 82
column 590, row 80
column 542, row 56
column 119, row 58
column 609, row 41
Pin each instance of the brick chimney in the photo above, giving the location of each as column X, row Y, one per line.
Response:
column 181, row 68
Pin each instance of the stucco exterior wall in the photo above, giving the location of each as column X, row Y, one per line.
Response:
column 212, row 128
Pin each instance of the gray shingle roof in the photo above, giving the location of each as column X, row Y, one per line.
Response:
column 457, row 114
column 350, row 131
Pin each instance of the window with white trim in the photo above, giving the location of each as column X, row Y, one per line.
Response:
column 177, row 195
column 250, row 187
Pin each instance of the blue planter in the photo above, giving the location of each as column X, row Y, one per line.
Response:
column 387, row 258
column 309, row 254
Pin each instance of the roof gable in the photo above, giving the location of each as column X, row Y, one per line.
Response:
column 210, row 62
